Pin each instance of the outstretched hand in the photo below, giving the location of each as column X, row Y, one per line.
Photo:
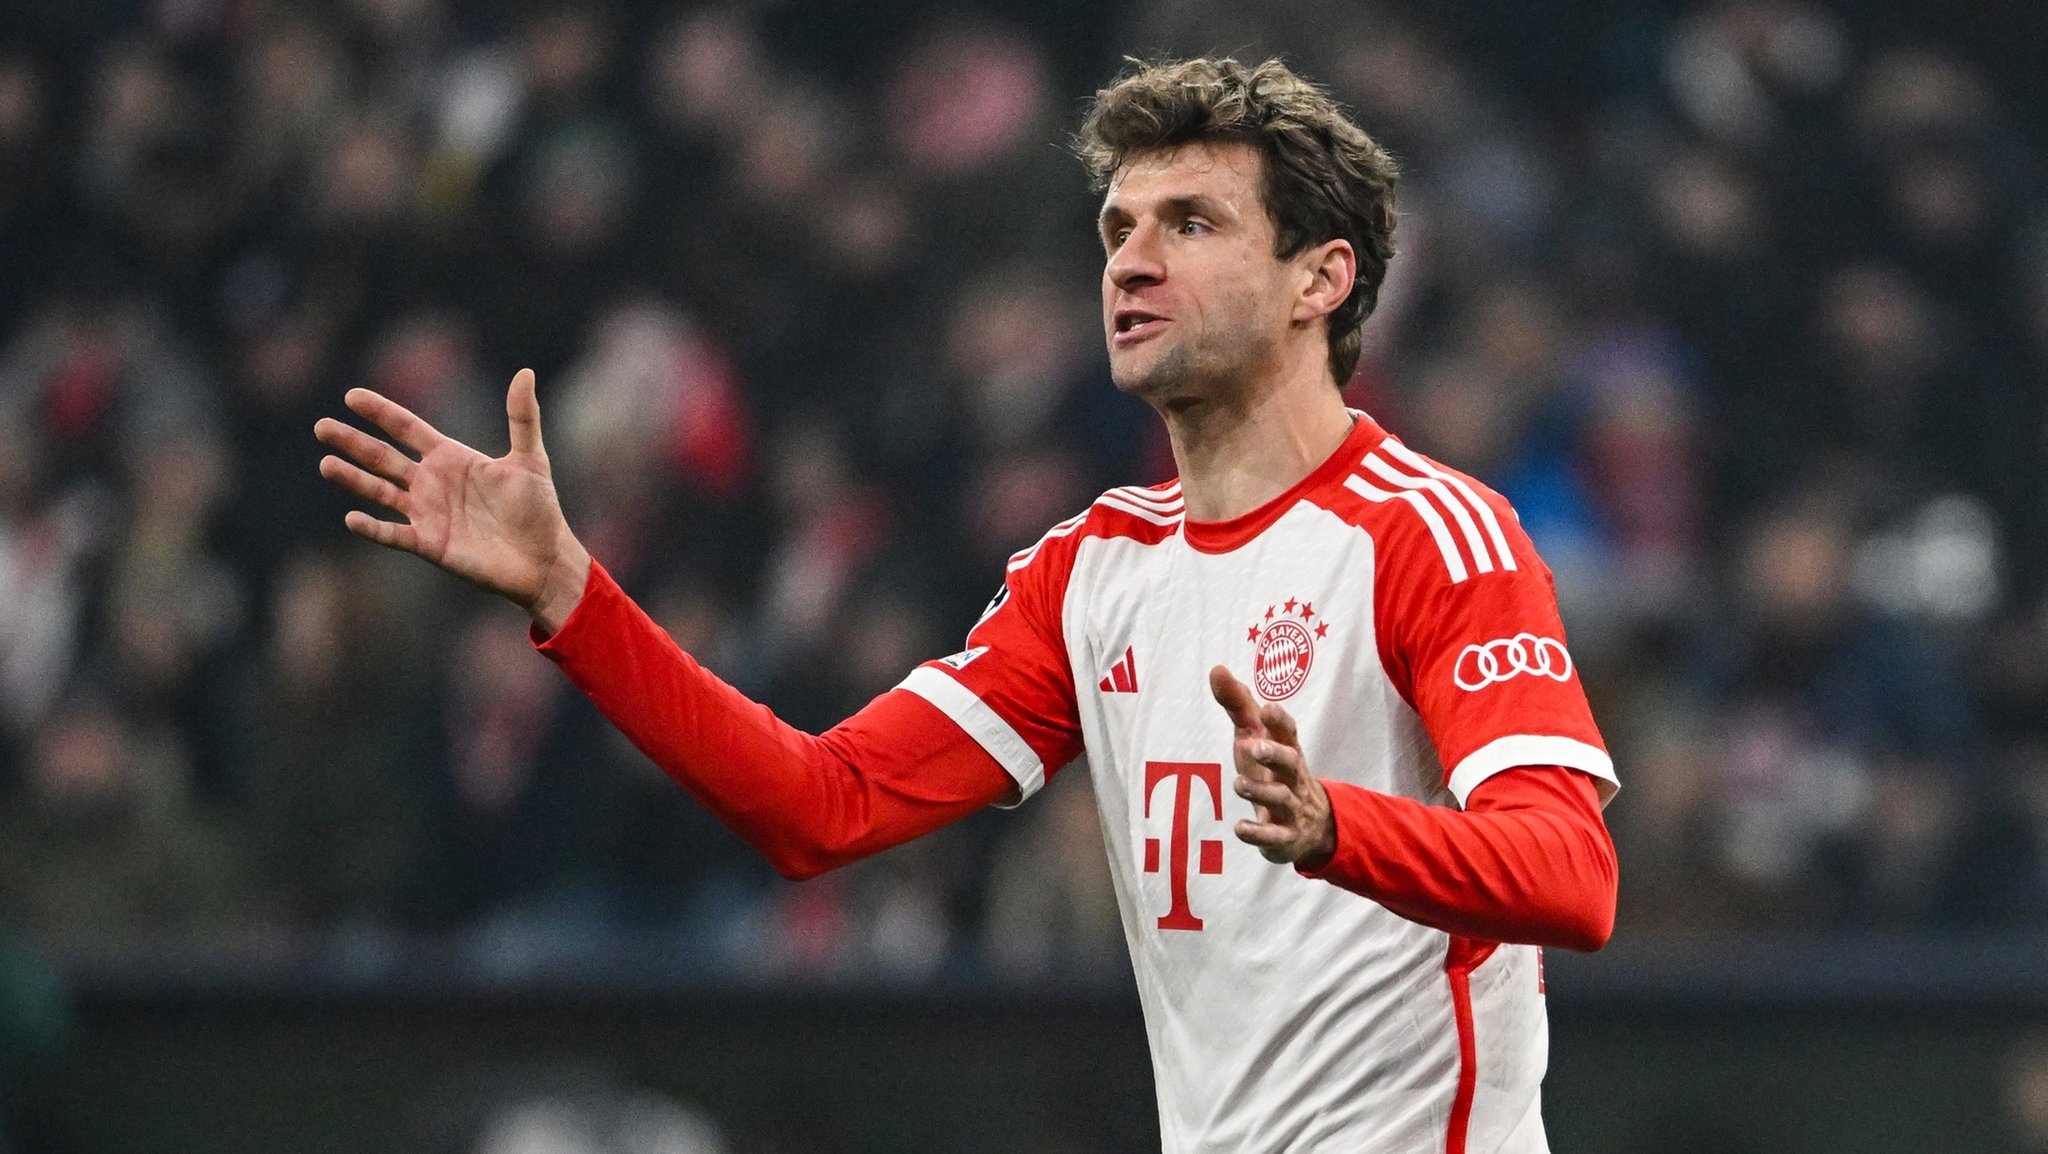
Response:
column 494, row 521
column 1292, row 821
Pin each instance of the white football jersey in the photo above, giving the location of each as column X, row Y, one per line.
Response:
column 1397, row 610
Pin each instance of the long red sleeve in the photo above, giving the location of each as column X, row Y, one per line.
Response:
column 896, row 770
column 1529, row 860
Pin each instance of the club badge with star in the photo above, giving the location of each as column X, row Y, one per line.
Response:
column 1284, row 647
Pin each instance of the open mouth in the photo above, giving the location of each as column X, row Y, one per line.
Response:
column 1133, row 325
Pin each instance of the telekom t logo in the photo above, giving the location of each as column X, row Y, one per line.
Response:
column 1183, row 774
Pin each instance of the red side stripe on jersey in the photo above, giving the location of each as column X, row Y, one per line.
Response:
column 1464, row 955
column 1468, row 1061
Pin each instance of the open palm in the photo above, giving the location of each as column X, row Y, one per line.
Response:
column 493, row 521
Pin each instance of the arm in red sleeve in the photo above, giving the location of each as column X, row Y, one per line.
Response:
column 896, row 770
column 1528, row 861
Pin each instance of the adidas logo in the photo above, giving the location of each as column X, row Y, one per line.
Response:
column 1123, row 676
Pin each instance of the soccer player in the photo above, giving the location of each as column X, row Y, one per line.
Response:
column 1348, row 780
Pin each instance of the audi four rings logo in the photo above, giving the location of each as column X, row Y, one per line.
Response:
column 1502, row 658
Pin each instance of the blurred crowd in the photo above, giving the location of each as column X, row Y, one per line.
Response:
column 1744, row 304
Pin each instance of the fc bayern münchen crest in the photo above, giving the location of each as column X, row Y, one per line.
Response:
column 1284, row 647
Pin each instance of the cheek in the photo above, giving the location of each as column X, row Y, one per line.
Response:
column 1272, row 296
column 1241, row 291
column 1244, row 302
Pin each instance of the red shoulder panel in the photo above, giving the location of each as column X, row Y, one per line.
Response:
column 1466, row 617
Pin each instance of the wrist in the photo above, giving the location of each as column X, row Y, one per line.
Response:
column 1324, row 847
column 561, row 587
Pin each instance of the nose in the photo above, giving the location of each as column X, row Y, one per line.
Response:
column 1136, row 262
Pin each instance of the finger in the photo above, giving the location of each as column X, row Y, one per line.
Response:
column 1235, row 698
column 362, row 484
column 1284, row 761
column 1279, row 725
column 1272, row 795
column 365, row 450
column 1247, row 761
column 1249, row 777
column 1264, row 834
column 386, row 533
column 522, row 413
column 395, row 419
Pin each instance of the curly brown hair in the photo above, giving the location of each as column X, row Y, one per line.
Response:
column 1324, row 178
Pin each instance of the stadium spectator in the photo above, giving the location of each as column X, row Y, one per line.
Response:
column 106, row 851
column 329, row 783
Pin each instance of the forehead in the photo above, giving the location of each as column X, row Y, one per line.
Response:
column 1228, row 172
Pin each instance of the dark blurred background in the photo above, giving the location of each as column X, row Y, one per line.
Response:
column 1743, row 304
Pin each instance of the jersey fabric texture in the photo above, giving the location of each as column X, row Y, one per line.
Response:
column 1395, row 608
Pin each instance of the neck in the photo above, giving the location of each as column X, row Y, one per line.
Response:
column 1235, row 453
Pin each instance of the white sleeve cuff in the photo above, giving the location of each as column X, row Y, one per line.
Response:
column 1521, row 749
column 983, row 724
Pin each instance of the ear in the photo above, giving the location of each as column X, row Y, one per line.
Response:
column 1328, row 271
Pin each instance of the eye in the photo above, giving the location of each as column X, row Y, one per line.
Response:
column 1117, row 237
column 1193, row 227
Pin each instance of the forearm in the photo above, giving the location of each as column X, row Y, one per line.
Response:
column 1530, row 861
column 894, row 771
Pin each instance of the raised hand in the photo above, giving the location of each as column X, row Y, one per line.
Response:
column 493, row 521
column 1291, row 821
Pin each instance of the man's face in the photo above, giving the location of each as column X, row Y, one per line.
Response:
column 1194, row 303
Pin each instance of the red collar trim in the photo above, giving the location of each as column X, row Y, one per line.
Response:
column 1224, row 536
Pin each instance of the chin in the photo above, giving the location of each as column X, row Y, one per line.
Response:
column 1171, row 375
column 1144, row 383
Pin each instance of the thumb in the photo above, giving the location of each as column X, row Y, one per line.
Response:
column 522, row 413
column 1235, row 698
